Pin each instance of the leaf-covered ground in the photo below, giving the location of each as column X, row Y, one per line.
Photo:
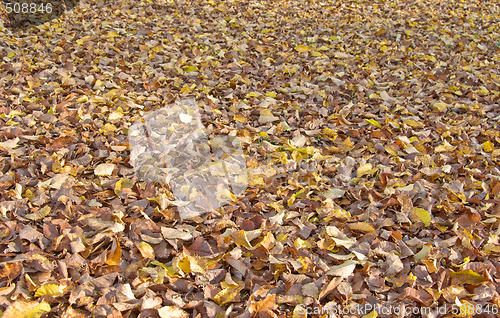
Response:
column 371, row 133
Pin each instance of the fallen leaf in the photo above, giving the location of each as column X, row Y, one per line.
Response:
column 104, row 169
column 361, row 226
column 343, row 270
column 172, row 312
column 9, row 144
column 26, row 309
column 146, row 250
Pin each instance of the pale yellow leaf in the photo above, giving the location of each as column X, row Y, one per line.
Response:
column 367, row 168
column 146, row 250
column 104, row 169
column 172, row 312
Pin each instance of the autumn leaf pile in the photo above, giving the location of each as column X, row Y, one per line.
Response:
column 371, row 134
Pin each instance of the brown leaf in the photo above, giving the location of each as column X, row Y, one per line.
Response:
column 262, row 308
column 10, row 270
column 419, row 295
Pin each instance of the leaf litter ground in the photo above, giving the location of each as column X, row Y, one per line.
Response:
column 371, row 130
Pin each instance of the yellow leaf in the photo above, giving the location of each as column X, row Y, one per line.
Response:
column 146, row 250
column 468, row 277
column 28, row 194
column 82, row 40
column 183, row 264
column 361, row 226
column 190, row 68
column 423, row 215
column 112, row 93
column 300, row 243
column 11, row 54
column 302, row 48
column 26, row 309
column 413, row 123
column 488, row 146
column 366, row 169
column 441, row 107
column 112, row 34
column 329, row 132
column 271, row 94
column 240, row 118
column 12, row 123
column 53, row 290
column 114, row 256
column 252, row 94
column 98, row 100
column 108, row 128
column 198, row 264
column 225, row 296
column 191, row 263
column 16, row 112
column 256, row 181
column 346, row 145
column 83, row 99
column 374, row 122
column 241, row 239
